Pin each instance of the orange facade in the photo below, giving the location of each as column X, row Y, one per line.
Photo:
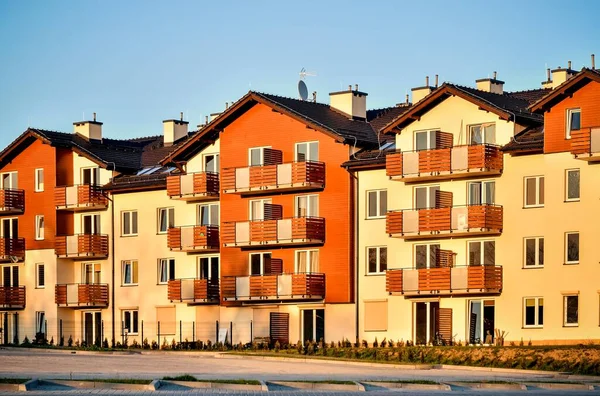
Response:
column 262, row 127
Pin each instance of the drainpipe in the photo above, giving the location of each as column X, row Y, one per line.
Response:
column 112, row 255
column 355, row 185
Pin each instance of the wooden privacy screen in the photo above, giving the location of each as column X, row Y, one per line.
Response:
column 279, row 327
column 444, row 324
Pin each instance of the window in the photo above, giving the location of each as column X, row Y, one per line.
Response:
column 40, row 273
column 307, row 206
column 39, row 179
column 425, row 197
column 9, row 180
column 10, row 276
column 256, row 156
column 92, row 273
column 572, row 248
column 377, row 260
column 482, row 253
column 425, row 140
column 91, row 224
column 482, row 133
column 534, row 312
column 211, row 163
column 482, row 318
column 313, row 324
column 40, row 322
column 208, row 214
column 39, row 227
column 572, row 184
column 208, row 267
column 130, row 321
column 10, row 228
column 571, row 309
column 308, row 151
column 129, row 222
column 534, row 252
column 376, row 316
column 376, row 204
column 166, row 270
column 130, row 272
column 166, row 219
column 257, row 209
column 573, row 121
column 307, row 261
column 260, row 263
column 427, row 256
column 90, row 176
column 482, row 193
column 534, row 191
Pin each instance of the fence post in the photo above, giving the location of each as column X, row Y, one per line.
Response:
column 180, row 332
column 16, row 328
column 102, row 335
column 194, row 331
column 142, row 334
column 46, row 330
column 217, row 338
column 122, row 332
column 251, row 330
column 60, row 328
column 158, row 330
column 231, row 333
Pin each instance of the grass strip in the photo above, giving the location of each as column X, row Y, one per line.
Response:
column 111, row 380
column 420, row 382
column 13, row 380
column 189, row 378
column 333, row 382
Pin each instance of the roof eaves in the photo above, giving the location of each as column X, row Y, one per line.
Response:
column 540, row 105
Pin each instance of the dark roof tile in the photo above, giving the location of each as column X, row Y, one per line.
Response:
column 528, row 140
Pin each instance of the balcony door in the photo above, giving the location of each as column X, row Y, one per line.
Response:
column 307, row 206
column 208, row 214
column 208, row 267
column 260, row 263
column 91, row 224
column 482, row 193
column 10, row 276
column 10, row 228
column 427, row 256
column 307, row 151
column 307, row 261
column 313, row 324
column 482, row 253
column 92, row 273
column 90, row 176
column 211, row 163
column 257, row 209
column 9, row 180
column 482, row 315
column 425, row 197
column 425, row 140
column 256, row 156
column 92, row 328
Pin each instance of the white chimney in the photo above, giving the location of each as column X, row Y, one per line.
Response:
column 213, row 116
column 492, row 85
column 353, row 103
column 548, row 83
column 419, row 93
column 560, row 75
column 174, row 130
column 91, row 130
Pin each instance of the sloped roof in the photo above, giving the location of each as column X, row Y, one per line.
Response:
column 379, row 118
column 565, row 89
column 530, row 140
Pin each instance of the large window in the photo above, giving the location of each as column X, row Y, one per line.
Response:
column 257, row 208
column 427, row 256
column 572, row 184
column 425, row 140
column 533, row 312
column 166, row 219
column 256, row 156
column 40, row 275
column 313, row 324
column 90, row 224
column 211, row 163
column 482, row 192
column 92, row 273
column 260, row 263
column 534, row 252
column 130, row 322
column 572, row 248
column 9, row 180
column 130, row 272
column 129, row 223
column 39, row 180
column 40, row 322
column 308, row 151
column 571, row 310
column 166, row 270
column 9, row 276
column 573, row 121
column 307, row 261
column 208, row 214
column 307, row 206
column 376, row 204
column 482, row 252
column 208, row 267
column 10, row 228
column 376, row 260
column 482, row 133
column 534, row 191
column 39, row 227
column 90, row 176
column 425, row 197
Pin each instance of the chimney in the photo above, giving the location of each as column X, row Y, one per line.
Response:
column 492, row 85
column 213, row 116
column 91, row 130
column 420, row 92
column 560, row 75
column 351, row 103
column 314, row 96
column 174, row 130
column 548, row 83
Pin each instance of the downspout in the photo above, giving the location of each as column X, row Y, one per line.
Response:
column 112, row 255
column 355, row 186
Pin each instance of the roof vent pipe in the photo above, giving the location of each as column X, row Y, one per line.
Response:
column 181, row 115
column 205, row 120
column 407, row 102
column 314, row 96
column 94, row 116
column 356, row 87
column 495, row 75
column 593, row 61
column 436, row 80
column 549, row 75
column 569, row 65
column 350, row 87
column 426, row 81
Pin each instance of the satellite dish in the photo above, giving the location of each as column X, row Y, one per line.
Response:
column 302, row 90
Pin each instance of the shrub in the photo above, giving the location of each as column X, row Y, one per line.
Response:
column 105, row 343
column 62, row 341
column 70, row 341
column 365, row 344
column 154, row 345
column 145, row 344
column 26, row 342
column 299, row 347
column 173, row 344
column 277, row 346
column 375, row 343
column 77, row 343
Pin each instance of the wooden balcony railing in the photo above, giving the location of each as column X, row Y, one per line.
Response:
column 445, row 222
column 194, row 238
column 299, row 286
column 193, row 291
column 12, row 249
column 12, row 297
column 81, row 246
column 288, row 231
column 475, row 279
column 193, row 186
column 81, row 295
column 290, row 176
column 80, row 197
column 445, row 163
column 12, row 201
column 585, row 144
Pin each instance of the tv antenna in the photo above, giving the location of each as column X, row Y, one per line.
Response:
column 302, row 88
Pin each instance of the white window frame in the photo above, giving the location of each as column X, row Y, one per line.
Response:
column 427, row 256
column 134, row 267
column 537, row 203
column 215, row 157
column 39, row 179
column 12, row 222
column 481, row 243
column 568, row 120
column 132, row 313
column 262, row 262
column 95, row 223
column 94, row 175
column 430, row 205
column 484, row 136
column 428, row 132
column 170, row 217
column 312, row 204
column 308, row 157
column 567, row 172
column 40, row 322
column 537, row 252
column 537, row 324
column 483, row 195
column 565, row 323
column 380, row 213
column 10, row 180
column 166, row 264
column 567, row 261
column 210, row 274
column 261, row 215
column 377, row 249
column 13, row 275
column 39, row 227
column 211, row 221
column 94, row 274
column 262, row 155
column 38, row 284
column 309, row 262
column 129, row 213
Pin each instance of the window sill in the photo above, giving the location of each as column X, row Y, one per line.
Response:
column 162, row 284
column 532, row 206
column 374, row 274
column 375, row 218
column 128, row 235
column 40, row 287
column 130, row 334
column 567, row 325
column 533, row 267
column 39, row 239
column 39, row 191
column 572, row 200
column 571, row 263
column 532, row 327
column 371, row 330
column 129, row 285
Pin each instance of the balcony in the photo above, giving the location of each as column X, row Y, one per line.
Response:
column 194, row 291
column 81, row 246
column 258, row 288
column 200, row 186
column 445, row 281
column 12, row 249
column 12, row 201
column 291, row 176
column 585, row 144
column 12, row 297
column 81, row 295
column 80, row 198
column 280, row 232
column 194, row 239
column 445, row 163
column 448, row 222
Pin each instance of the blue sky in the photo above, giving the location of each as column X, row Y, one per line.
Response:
column 136, row 63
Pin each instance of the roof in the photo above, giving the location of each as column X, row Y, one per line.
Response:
column 508, row 106
column 530, row 140
column 137, row 183
column 379, row 118
column 368, row 158
column 565, row 89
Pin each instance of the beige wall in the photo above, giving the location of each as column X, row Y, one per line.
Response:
column 196, row 164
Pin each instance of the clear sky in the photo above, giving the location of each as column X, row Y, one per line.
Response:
column 136, row 63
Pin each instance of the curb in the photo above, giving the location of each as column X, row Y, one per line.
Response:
column 559, row 386
column 498, row 370
column 154, row 385
column 320, row 386
column 405, row 385
column 29, row 385
column 70, row 351
column 215, row 385
column 489, row 386
column 80, row 384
